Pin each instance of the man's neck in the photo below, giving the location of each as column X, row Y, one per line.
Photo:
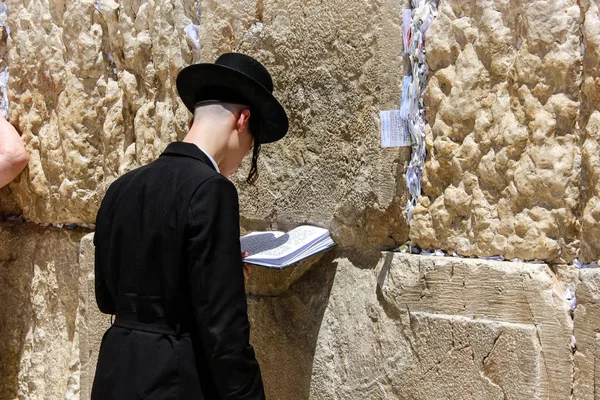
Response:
column 211, row 142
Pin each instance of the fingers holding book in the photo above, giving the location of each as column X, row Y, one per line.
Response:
column 247, row 267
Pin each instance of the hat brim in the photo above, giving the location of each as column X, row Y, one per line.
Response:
column 274, row 121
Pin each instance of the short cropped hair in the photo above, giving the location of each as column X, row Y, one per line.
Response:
column 220, row 110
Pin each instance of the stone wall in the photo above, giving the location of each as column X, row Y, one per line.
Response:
column 511, row 99
column 512, row 169
column 412, row 327
column 92, row 90
column 333, row 77
column 589, row 123
column 39, row 272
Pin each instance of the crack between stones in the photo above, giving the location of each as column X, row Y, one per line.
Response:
column 579, row 129
column 260, row 10
column 410, row 343
column 493, row 347
column 482, row 371
column 537, row 334
column 580, row 133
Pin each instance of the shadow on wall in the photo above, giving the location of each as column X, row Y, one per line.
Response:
column 15, row 309
column 8, row 205
column 38, row 302
column 285, row 331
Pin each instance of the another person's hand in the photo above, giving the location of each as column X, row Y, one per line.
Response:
column 13, row 157
column 247, row 267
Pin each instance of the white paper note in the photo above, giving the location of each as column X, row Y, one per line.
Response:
column 406, row 20
column 394, row 131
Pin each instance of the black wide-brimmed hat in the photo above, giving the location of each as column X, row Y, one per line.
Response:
column 236, row 78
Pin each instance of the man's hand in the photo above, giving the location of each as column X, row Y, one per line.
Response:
column 247, row 267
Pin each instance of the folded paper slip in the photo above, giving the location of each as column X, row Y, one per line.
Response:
column 276, row 249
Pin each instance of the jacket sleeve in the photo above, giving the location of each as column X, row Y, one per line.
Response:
column 217, row 290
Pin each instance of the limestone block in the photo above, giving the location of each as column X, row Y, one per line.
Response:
column 484, row 359
column 284, row 331
column 92, row 88
column 275, row 282
column 421, row 327
column 590, row 123
column 503, row 103
column 39, row 348
column 509, row 292
column 586, row 327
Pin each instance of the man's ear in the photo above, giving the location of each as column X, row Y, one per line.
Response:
column 242, row 121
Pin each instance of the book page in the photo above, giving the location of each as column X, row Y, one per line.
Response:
column 268, row 247
column 257, row 242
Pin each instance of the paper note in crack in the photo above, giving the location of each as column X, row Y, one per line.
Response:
column 4, row 93
column 394, row 131
column 406, row 20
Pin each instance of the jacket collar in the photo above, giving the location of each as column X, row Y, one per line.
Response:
column 184, row 149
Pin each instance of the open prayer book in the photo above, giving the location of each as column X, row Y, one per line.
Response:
column 275, row 249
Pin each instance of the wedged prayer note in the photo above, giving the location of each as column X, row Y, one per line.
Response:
column 394, row 129
column 274, row 249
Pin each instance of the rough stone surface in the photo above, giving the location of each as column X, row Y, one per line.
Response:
column 590, row 124
column 8, row 205
column 412, row 327
column 331, row 169
column 512, row 106
column 285, row 330
column 513, row 169
column 92, row 89
column 586, row 327
column 430, row 328
column 38, row 301
column 275, row 282
column 504, row 103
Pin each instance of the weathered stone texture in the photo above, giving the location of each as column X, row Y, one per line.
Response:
column 285, row 330
column 590, row 125
column 8, row 205
column 333, row 71
column 430, row 328
column 38, row 301
column 503, row 174
column 92, row 89
column 276, row 282
column 413, row 328
column 513, row 169
column 586, row 328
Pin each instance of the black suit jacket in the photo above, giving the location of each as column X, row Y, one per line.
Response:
column 168, row 265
